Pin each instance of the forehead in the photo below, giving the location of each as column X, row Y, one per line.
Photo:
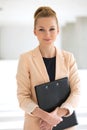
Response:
column 46, row 21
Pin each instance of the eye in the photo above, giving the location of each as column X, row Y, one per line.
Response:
column 41, row 30
column 52, row 29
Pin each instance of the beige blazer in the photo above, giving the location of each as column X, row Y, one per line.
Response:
column 32, row 71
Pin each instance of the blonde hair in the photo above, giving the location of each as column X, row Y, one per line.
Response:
column 44, row 11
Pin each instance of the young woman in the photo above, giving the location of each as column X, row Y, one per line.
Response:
column 43, row 64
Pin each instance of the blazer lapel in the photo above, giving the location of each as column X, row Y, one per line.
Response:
column 38, row 59
column 60, row 65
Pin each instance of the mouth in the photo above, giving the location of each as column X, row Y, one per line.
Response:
column 47, row 40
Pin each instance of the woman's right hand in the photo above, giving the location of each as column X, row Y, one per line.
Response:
column 51, row 118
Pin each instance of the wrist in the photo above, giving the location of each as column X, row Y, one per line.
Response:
column 38, row 112
column 62, row 112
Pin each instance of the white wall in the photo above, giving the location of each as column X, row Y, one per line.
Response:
column 81, row 33
column 16, row 39
column 74, row 39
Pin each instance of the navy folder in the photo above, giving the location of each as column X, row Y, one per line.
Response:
column 51, row 95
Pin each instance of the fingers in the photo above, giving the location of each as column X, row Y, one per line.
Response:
column 45, row 126
column 54, row 120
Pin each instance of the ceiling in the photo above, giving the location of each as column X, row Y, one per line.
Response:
column 21, row 11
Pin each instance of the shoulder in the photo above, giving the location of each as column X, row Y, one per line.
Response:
column 68, row 57
column 28, row 54
column 65, row 55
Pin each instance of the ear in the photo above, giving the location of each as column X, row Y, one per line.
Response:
column 34, row 32
column 58, row 30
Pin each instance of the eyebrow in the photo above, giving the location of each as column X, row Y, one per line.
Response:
column 43, row 27
column 40, row 26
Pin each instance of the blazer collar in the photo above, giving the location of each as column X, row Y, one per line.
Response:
column 38, row 59
column 60, row 67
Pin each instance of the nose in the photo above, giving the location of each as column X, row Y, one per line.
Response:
column 47, row 33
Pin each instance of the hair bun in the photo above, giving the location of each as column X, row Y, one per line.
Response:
column 45, row 11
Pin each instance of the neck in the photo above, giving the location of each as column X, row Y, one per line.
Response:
column 47, row 51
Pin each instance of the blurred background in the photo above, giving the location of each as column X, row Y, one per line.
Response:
column 16, row 37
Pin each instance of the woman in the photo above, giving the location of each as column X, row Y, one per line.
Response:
column 43, row 64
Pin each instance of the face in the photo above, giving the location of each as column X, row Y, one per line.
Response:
column 46, row 30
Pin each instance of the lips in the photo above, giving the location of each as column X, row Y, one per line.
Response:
column 47, row 39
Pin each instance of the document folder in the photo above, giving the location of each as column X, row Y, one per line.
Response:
column 51, row 95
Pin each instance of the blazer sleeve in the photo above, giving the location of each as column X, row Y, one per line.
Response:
column 72, row 101
column 24, row 86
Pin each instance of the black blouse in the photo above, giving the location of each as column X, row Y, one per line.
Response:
column 50, row 66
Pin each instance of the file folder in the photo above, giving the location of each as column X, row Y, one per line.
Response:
column 51, row 95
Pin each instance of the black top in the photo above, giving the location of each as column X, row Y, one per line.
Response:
column 50, row 66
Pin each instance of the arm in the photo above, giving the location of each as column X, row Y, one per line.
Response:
column 72, row 101
column 23, row 86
